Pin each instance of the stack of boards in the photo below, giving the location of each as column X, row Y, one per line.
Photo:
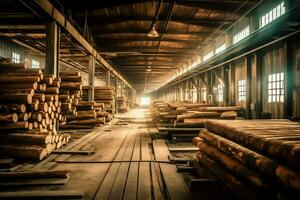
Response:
column 30, row 109
column 256, row 157
column 191, row 115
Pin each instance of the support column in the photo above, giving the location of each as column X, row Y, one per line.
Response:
column 108, row 78
column 248, row 86
column 91, row 78
column 226, row 84
column 289, row 80
column 259, row 90
column 116, row 86
column 52, row 48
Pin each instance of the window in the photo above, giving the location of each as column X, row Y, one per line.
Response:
column 276, row 87
column 35, row 64
column 271, row 15
column 203, row 94
column 220, row 48
column 15, row 57
column 208, row 56
column 242, row 90
column 220, row 93
column 241, row 35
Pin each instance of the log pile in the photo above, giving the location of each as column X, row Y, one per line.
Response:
column 104, row 95
column 70, row 91
column 87, row 116
column 122, row 104
column 260, row 154
column 192, row 115
column 29, row 112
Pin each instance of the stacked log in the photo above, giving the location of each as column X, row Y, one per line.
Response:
column 122, row 104
column 86, row 116
column 70, row 91
column 192, row 115
column 102, row 94
column 261, row 154
column 30, row 110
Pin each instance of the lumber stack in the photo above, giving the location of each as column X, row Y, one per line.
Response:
column 30, row 110
column 87, row 116
column 260, row 154
column 192, row 115
column 122, row 104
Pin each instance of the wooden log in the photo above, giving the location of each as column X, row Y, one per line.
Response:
column 88, row 121
column 52, row 90
column 14, row 126
column 23, row 116
column 66, row 106
column 39, row 96
column 48, row 79
column 12, row 66
column 231, row 181
column 71, row 78
column 33, row 107
column 17, row 79
column 18, row 98
column 24, row 152
column 232, row 165
column 71, row 85
column 32, row 85
column 49, row 97
column 286, row 176
column 26, row 139
column 64, row 97
column 44, row 107
column 83, row 115
column 229, row 115
column 17, row 91
column 279, row 148
column 9, row 117
column 8, row 108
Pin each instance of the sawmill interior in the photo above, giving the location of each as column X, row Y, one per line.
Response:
column 150, row 99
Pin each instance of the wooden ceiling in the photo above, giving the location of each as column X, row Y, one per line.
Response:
column 119, row 30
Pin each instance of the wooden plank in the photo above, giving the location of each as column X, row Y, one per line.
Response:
column 109, row 179
column 157, row 190
column 136, row 156
column 145, row 152
column 144, row 182
column 27, row 182
column 161, row 151
column 120, row 181
column 42, row 194
column 132, row 182
column 176, row 187
column 6, row 162
column 80, row 152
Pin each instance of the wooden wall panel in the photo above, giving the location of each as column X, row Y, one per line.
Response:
column 296, row 84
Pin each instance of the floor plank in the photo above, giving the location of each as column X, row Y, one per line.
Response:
column 144, row 185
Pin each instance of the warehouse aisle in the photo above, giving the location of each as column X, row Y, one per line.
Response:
column 130, row 162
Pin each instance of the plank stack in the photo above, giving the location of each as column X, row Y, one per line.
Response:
column 29, row 112
column 192, row 115
column 260, row 154
column 122, row 104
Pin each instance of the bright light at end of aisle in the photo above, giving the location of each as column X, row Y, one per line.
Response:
column 145, row 101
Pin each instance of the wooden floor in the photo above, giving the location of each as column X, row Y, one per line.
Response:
column 130, row 161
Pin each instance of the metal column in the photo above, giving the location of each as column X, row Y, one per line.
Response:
column 52, row 48
column 91, row 78
column 108, row 78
